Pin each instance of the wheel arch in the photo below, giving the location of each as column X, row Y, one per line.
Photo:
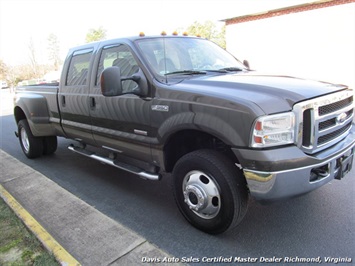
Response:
column 188, row 140
column 19, row 114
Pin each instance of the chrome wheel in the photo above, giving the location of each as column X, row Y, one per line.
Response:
column 31, row 146
column 24, row 140
column 201, row 194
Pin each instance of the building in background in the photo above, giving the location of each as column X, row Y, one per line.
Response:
column 315, row 40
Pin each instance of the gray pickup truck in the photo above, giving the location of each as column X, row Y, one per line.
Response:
column 182, row 105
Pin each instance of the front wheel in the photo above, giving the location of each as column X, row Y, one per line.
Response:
column 210, row 191
column 31, row 146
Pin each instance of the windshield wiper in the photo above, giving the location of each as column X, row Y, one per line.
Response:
column 186, row 72
column 231, row 69
column 225, row 70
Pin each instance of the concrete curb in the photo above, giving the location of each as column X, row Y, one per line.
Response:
column 62, row 256
column 75, row 232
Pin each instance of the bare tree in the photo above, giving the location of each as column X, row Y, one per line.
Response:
column 3, row 70
column 53, row 50
column 33, row 58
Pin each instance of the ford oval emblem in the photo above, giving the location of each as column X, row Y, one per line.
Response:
column 341, row 118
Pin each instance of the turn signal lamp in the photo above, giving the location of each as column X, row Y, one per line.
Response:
column 163, row 33
column 175, row 33
column 141, row 34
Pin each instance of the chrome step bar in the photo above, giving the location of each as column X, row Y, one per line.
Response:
column 123, row 166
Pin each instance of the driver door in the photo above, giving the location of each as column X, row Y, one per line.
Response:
column 120, row 123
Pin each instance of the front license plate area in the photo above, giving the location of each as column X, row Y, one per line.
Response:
column 345, row 165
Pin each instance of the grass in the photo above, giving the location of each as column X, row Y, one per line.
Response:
column 18, row 246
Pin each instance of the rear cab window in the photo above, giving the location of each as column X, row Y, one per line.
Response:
column 78, row 70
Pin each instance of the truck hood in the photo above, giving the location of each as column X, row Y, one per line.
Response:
column 271, row 93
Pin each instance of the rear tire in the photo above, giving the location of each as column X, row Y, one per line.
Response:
column 31, row 146
column 210, row 191
column 50, row 145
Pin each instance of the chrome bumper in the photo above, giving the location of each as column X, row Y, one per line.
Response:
column 298, row 174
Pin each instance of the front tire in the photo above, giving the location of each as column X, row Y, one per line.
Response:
column 31, row 146
column 210, row 191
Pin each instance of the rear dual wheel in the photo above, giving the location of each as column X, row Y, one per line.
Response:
column 210, row 191
column 32, row 146
column 50, row 145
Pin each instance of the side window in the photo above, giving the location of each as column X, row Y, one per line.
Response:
column 119, row 55
column 78, row 68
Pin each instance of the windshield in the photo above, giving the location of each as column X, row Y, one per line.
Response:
column 167, row 56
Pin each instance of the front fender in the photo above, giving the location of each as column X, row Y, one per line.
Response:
column 216, row 126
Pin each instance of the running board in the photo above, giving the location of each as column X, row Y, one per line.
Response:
column 123, row 166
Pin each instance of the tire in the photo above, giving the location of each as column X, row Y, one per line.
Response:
column 210, row 191
column 50, row 145
column 31, row 146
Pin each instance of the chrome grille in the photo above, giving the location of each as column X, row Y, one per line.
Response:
column 324, row 121
column 328, row 137
column 333, row 107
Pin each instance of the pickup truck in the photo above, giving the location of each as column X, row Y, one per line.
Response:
column 154, row 105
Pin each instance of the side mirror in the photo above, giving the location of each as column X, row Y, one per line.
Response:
column 246, row 63
column 111, row 82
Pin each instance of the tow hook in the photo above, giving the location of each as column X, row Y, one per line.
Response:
column 319, row 173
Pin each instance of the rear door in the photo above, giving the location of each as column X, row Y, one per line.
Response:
column 73, row 96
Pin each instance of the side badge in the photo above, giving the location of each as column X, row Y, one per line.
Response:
column 160, row 108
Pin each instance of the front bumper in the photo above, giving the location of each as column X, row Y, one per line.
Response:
column 288, row 172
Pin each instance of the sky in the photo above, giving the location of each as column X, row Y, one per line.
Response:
column 26, row 21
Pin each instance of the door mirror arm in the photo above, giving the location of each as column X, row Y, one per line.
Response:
column 140, row 79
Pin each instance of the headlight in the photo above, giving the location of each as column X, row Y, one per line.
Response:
column 274, row 130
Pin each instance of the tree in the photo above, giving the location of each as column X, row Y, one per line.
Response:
column 53, row 50
column 33, row 59
column 3, row 70
column 95, row 35
column 210, row 31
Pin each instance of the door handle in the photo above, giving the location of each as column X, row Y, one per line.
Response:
column 63, row 101
column 92, row 102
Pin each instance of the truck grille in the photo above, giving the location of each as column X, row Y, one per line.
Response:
column 324, row 121
column 333, row 107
